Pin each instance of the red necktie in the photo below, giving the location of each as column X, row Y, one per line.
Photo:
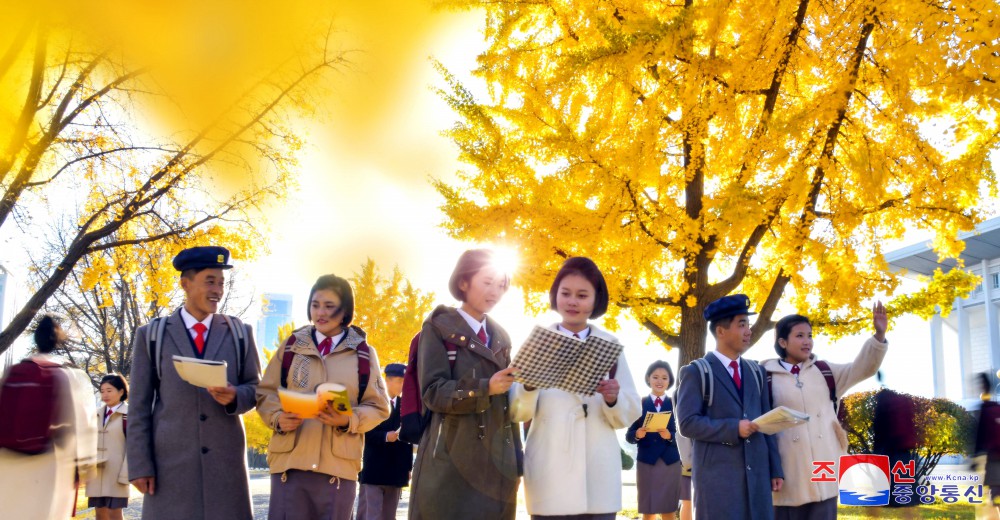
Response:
column 324, row 346
column 107, row 414
column 736, row 374
column 199, row 339
column 482, row 335
column 658, row 402
column 795, row 370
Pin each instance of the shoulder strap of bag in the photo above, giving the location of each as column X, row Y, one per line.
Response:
column 239, row 332
column 755, row 370
column 154, row 348
column 831, row 384
column 364, row 369
column 707, row 381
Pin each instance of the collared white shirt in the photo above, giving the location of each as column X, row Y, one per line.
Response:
column 475, row 325
column 788, row 366
column 725, row 362
column 113, row 409
column 190, row 320
column 663, row 400
column 582, row 334
column 334, row 340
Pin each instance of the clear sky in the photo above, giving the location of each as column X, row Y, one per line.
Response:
column 364, row 189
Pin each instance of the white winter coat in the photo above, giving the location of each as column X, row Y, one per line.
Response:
column 821, row 438
column 572, row 462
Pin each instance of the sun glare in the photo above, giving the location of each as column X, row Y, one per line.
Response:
column 505, row 258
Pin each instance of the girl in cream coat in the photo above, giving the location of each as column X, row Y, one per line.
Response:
column 796, row 382
column 572, row 459
column 315, row 462
column 108, row 486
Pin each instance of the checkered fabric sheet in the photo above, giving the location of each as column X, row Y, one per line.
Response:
column 549, row 359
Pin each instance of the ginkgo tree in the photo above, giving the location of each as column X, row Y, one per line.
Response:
column 389, row 309
column 110, row 293
column 129, row 123
column 699, row 148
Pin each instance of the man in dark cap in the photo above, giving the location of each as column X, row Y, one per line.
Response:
column 734, row 467
column 387, row 460
column 186, row 445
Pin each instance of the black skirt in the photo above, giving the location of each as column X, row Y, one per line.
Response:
column 108, row 502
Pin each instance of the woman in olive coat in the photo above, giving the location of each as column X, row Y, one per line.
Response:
column 468, row 461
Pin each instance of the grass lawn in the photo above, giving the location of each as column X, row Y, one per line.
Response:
column 936, row 510
column 932, row 511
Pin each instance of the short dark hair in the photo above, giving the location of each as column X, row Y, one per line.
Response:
column 340, row 287
column 721, row 322
column 48, row 333
column 985, row 385
column 660, row 364
column 191, row 273
column 585, row 267
column 468, row 265
column 783, row 328
column 117, row 381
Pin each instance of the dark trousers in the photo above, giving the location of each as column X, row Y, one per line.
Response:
column 378, row 502
column 824, row 510
column 307, row 495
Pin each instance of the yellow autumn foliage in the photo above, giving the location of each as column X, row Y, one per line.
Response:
column 389, row 309
column 695, row 149
column 129, row 123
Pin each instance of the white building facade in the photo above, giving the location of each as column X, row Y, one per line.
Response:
column 974, row 319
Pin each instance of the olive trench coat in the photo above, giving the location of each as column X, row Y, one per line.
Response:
column 468, row 462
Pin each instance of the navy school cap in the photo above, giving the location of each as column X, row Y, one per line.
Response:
column 395, row 370
column 727, row 307
column 202, row 257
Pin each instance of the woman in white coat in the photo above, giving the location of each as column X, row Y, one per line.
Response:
column 797, row 380
column 572, row 459
column 108, row 487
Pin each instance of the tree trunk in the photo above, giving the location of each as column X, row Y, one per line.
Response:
column 692, row 336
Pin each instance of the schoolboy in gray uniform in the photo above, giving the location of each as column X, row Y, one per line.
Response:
column 726, row 446
column 186, row 445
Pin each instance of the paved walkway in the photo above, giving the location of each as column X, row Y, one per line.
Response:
column 260, row 489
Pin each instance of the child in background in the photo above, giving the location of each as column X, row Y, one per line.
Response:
column 658, row 469
column 387, row 461
column 108, row 487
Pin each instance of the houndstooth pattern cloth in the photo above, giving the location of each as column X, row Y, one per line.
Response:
column 549, row 359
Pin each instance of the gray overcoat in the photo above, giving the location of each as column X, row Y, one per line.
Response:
column 192, row 445
column 732, row 476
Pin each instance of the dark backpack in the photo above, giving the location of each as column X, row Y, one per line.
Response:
column 364, row 365
column 28, row 405
column 413, row 418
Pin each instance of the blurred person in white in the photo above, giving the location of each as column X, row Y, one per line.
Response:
column 48, row 438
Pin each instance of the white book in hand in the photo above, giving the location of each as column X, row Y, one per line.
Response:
column 778, row 419
column 205, row 373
